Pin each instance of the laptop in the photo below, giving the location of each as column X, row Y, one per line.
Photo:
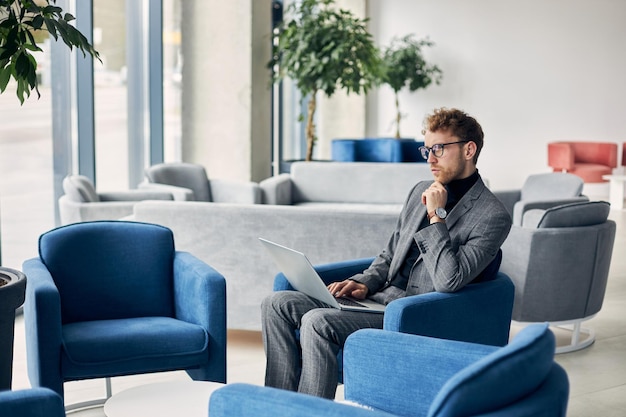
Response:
column 304, row 278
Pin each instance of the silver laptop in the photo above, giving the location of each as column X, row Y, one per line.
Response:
column 304, row 278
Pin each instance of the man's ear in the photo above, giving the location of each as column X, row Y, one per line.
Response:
column 470, row 149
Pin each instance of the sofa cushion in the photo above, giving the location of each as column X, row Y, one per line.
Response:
column 355, row 182
column 501, row 378
column 106, row 341
column 586, row 213
column 356, row 207
column 80, row 189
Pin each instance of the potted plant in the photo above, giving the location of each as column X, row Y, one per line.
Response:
column 22, row 22
column 324, row 49
column 12, row 293
column 405, row 66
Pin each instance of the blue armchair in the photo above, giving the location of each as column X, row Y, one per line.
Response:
column 486, row 306
column 478, row 313
column 35, row 402
column 395, row 374
column 111, row 298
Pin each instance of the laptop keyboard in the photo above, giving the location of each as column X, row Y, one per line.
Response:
column 347, row 302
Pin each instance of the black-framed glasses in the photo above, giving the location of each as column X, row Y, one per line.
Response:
column 437, row 149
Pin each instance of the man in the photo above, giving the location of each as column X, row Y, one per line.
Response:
column 449, row 230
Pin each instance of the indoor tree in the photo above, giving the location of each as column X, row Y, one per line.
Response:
column 405, row 65
column 21, row 23
column 322, row 48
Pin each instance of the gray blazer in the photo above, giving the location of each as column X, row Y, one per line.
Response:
column 451, row 254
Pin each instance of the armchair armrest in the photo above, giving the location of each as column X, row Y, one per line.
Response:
column 178, row 193
column 420, row 367
column 560, row 156
column 331, row 272
column 277, row 190
column 33, row 402
column 135, row 195
column 246, row 400
column 74, row 212
column 42, row 315
column 478, row 313
column 200, row 298
column 232, row 191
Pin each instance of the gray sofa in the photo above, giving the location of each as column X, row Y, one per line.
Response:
column 359, row 185
column 331, row 211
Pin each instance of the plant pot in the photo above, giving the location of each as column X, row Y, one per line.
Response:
column 376, row 150
column 12, row 293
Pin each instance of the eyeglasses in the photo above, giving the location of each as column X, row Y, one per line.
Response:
column 437, row 149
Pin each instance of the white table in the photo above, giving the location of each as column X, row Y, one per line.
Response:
column 616, row 190
column 163, row 399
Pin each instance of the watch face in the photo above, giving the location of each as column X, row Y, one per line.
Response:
column 441, row 212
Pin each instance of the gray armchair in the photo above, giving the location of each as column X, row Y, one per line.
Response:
column 542, row 191
column 81, row 202
column 189, row 182
column 559, row 261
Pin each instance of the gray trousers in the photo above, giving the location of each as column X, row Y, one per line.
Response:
column 310, row 365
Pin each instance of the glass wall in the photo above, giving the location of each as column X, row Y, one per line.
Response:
column 110, row 95
column 27, row 197
column 172, row 80
column 111, row 89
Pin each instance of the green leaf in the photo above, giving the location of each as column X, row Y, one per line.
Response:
column 5, row 75
column 37, row 22
column 51, row 28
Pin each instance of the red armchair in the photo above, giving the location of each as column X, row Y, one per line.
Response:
column 588, row 160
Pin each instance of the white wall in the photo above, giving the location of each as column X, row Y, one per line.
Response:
column 530, row 71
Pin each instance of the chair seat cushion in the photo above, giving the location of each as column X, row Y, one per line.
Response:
column 591, row 172
column 135, row 340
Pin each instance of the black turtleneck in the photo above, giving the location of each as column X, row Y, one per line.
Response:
column 458, row 188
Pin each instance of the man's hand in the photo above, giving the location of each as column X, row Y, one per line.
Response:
column 435, row 196
column 348, row 287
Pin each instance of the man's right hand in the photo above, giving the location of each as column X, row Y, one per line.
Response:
column 348, row 288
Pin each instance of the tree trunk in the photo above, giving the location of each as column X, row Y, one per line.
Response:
column 310, row 127
column 398, row 116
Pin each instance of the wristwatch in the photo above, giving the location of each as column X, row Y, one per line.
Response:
column 439, row 212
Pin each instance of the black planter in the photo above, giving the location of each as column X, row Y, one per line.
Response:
column 12, row 295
